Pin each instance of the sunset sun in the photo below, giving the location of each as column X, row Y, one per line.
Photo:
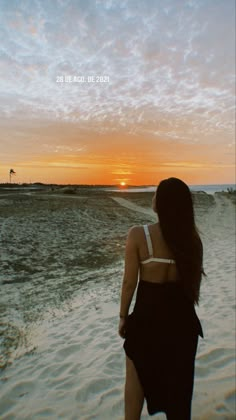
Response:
column 122, row 184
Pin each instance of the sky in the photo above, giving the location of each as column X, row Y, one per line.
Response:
column 110, row 91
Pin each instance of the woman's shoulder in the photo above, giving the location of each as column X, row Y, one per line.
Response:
column 135, row 230
column 136, row 233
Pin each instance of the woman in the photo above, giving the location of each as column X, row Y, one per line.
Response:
column 161, row 334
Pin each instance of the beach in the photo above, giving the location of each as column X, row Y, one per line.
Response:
column 62, row 261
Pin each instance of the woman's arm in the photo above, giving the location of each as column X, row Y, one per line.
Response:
column 130, row 278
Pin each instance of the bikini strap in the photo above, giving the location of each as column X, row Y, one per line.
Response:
column 149, row 241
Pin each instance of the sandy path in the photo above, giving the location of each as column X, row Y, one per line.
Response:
column 129, row 205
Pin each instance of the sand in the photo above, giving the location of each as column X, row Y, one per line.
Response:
column 60, row 275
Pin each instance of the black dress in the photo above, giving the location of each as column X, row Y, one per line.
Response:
column 161, row 339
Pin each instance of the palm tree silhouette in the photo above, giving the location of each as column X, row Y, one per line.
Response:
column 11, row 172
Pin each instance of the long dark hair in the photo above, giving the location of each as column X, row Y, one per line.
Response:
column 175, row 211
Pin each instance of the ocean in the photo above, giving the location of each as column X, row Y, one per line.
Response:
column 209, row 189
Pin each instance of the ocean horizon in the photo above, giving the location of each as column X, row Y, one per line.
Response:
column 207, row 188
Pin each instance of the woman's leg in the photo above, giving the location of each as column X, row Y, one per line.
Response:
column 134, row 396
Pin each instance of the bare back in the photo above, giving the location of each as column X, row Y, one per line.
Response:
column 155, row 271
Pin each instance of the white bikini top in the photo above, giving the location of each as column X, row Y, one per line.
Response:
column 150, row 250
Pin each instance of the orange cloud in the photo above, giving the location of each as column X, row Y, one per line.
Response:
column 65, row 153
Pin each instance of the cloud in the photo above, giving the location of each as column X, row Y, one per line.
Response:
column 167, row 67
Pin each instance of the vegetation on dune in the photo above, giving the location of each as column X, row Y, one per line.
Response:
column 231, row 191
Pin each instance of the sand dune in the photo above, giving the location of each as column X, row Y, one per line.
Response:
column 60, row 275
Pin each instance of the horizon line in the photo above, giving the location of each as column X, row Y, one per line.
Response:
column 20, row 184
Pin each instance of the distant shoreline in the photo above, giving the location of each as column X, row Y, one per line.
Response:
column 72, row 188
column 42, row 185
